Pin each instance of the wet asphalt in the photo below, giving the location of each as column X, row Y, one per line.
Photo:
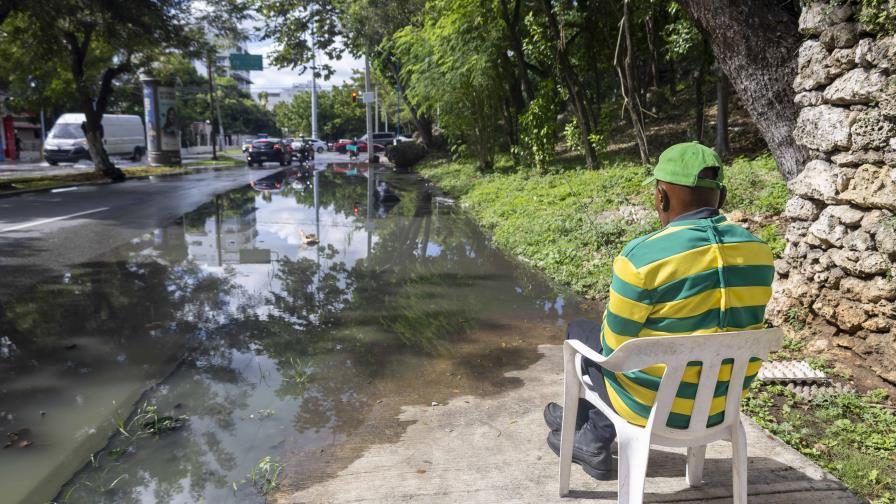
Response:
column 44, row 233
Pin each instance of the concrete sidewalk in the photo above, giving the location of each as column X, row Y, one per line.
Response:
column 492, row 450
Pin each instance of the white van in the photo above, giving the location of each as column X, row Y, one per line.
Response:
column 123, row 136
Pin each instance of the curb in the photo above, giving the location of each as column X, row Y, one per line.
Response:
column 192, row 171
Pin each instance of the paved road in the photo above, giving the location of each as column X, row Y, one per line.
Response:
column 41, row 234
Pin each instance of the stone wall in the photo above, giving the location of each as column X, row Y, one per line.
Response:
column 838, row 267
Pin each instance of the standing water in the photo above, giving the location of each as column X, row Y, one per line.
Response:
column 260, row 343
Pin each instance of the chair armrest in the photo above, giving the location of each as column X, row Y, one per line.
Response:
column 610, row 363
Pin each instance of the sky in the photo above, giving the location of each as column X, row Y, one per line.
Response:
column 273, row 79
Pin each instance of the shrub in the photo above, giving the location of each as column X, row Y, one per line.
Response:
column 406, row 154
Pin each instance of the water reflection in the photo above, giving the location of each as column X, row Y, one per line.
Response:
column 273, row 346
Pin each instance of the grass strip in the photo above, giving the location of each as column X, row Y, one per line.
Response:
column 570, row 223
column 47, row 182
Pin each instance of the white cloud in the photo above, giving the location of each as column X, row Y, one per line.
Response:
column 272, row 78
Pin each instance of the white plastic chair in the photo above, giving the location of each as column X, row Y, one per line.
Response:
column 634, row 441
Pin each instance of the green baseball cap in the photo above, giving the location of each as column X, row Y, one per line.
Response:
column 682, row 163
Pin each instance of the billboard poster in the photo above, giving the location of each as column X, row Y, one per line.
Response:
column 150, row 112
column 168, row 118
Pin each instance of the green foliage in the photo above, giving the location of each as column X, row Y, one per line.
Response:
column 791, row 350
column 147, row 421
column 755, row 186
column 821, row 363
column 849, row 434
column 337, row 116
column 449, row 66
column 265, row 475
column 796, row 318
column 566, row 223
column 680, row 34
column 879, row 16
column 773, row 237
column 539, row 129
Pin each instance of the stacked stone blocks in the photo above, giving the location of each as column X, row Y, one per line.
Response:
column 839, row 261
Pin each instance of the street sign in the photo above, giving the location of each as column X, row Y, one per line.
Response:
column 246, row 62
column 368, row 97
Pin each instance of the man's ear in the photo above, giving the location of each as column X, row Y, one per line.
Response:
column 723, row 194
column 664, row 198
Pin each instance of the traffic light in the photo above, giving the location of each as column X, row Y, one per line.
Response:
column 354, row 97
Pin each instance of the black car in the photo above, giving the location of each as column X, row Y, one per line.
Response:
column 266, row 150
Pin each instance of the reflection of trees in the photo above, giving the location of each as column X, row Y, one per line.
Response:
column 235, row 203
column 349, row 324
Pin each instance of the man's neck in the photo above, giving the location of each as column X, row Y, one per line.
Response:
column 697, row 213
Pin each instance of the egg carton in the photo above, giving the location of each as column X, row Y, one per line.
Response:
column 790, row 372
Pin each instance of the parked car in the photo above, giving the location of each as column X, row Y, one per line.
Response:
column 380, row 138
column 269, row 150
column 362, row 147
column 123, row 136
column 401, row 138
column 316, row 145
column 340, row 145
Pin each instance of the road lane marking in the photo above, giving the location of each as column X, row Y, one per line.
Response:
column 54, row 219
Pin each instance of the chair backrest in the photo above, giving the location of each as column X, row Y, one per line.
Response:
column 675, row 352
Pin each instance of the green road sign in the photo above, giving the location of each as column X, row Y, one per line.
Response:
column 246, row 62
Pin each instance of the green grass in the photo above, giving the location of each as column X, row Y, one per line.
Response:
column 565, row 223
column 47, row 182
column 772, row 235
column 851, row 435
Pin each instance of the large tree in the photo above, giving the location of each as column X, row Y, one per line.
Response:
column 82, row 48
column 755, row 42
column 100, row 41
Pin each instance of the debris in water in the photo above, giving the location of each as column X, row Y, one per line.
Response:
column 7, row 348
column 309, row 239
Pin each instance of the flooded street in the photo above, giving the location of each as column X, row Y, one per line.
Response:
column 273, row 333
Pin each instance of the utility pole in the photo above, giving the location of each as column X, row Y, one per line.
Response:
column 367, row 105
column 313, row 86
column 376, row 109
column 211, row 104
column 398, row 110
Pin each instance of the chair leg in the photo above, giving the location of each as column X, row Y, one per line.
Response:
column 634, row 451
column 696, row 456
column 571, row 395
column 739, row 462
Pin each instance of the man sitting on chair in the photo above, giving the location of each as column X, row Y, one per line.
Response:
column 698, row 274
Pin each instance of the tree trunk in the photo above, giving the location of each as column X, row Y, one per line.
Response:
column 653, row 44
column 756, row 43
column 699, row 95
column 93, row 110
column 93, row 132
column 722, row 147
column 422, row 122
column 512, row 22
column 628, row 92
column 211, row 106
column 574, row 88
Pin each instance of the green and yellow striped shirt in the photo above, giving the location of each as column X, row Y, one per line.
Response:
column 692, row 277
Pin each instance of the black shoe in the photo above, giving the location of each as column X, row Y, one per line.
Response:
column 596, row 463
column 553, row 416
